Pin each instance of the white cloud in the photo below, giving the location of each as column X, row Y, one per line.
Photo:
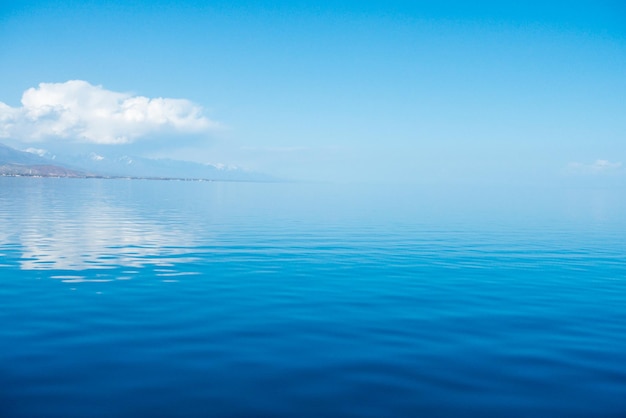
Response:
column 80, row 111
column 597, row 167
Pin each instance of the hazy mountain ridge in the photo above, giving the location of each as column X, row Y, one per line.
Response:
column 133, row 166
column 39, row 162
column 21, row 163
column 12, row 156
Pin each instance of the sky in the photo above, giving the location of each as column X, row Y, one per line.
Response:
column 441, row 92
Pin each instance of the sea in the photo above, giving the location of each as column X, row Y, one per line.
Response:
column 146, row 298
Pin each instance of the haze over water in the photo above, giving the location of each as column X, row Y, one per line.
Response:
column 152, row 298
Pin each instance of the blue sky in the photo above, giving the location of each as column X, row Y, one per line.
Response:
column 445, row 92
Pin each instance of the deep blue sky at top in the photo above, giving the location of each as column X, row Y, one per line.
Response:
column 361, row 90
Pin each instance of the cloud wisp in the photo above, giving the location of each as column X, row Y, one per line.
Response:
column 597, row 167
column 79, row 111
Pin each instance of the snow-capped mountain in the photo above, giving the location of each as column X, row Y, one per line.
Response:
column 21, row 163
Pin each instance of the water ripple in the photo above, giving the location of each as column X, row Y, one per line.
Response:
column 240, row 300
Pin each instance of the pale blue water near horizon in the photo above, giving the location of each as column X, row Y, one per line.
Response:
column 189, row 299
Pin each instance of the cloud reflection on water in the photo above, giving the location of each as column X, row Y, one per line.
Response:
column 88, row 231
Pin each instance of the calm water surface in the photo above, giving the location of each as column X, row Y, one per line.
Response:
column 188, row 299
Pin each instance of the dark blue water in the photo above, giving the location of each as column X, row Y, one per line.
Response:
column 188, row 299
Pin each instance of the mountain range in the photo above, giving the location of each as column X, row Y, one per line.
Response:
column 38, row 162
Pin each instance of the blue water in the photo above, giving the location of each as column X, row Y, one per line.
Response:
column 191, row 299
